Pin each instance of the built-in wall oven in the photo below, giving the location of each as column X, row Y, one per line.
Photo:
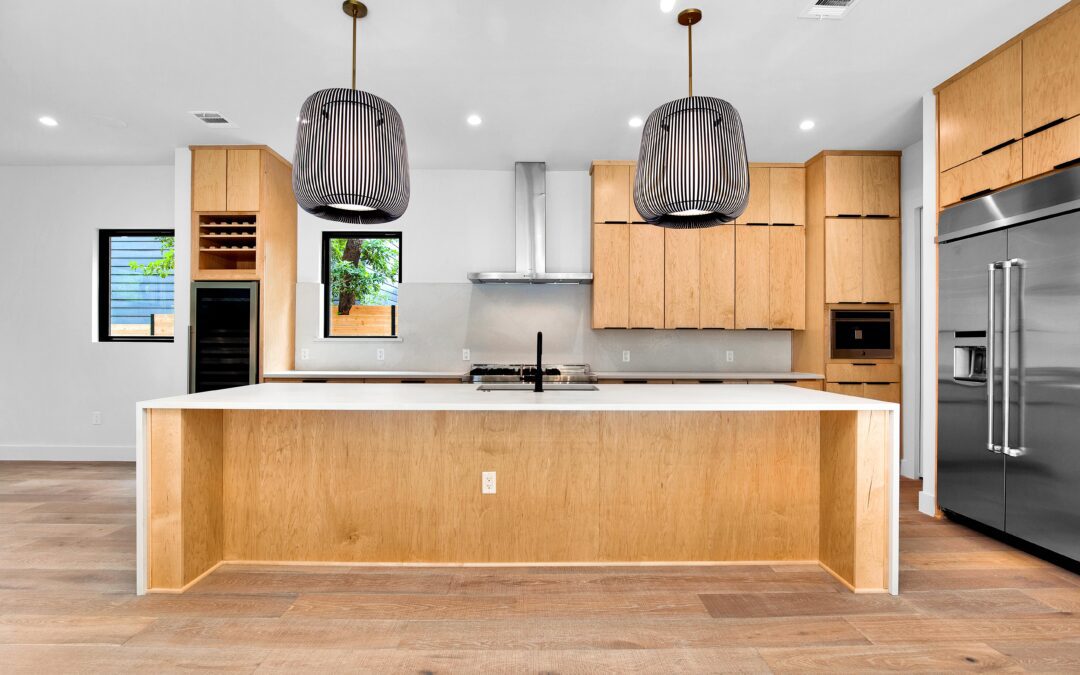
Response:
column 861, row 333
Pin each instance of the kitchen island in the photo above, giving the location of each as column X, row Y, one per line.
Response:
column 625, row 474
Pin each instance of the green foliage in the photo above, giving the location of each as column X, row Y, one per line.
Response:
column 163, row 266
column 378, row 263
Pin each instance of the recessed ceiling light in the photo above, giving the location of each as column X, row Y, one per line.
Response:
column 48, row 121
column 667, row 5
column 474, row 120
column 635, row 122
column 806, row 125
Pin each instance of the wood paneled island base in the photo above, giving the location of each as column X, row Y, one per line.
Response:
column 573, row 487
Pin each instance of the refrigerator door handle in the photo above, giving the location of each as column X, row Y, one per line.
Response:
column 991, row 303
column 1006, row 356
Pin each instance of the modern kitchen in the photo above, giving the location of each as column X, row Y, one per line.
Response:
column 585, row 337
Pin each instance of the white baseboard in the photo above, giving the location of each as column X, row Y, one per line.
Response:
column 928, row 503
column 67, row 453
column 907, row 468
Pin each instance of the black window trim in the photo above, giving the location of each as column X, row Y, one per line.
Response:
column 104, row 283
column 327, row 235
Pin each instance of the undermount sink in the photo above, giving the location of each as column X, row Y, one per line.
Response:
column 524, row 386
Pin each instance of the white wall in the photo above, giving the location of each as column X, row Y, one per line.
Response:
column 54, row 373
column 928, row 264
column 911, row 199
column 463, row 221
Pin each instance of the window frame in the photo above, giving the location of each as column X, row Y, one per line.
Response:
column 105, row 283
column 324, row 277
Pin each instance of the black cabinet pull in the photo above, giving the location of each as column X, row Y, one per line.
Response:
column 974, row 195
column 999, row 146
column 1075, row 160
column 879, row 215
column 1044, row 127
column 783, row 224
column 849, row 215
column 864, row 364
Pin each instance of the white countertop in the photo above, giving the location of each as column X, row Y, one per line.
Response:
column 612, row 397
column 608, row 375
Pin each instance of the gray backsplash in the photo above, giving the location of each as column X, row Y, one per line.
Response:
column 498, row 324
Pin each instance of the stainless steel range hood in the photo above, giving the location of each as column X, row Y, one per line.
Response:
column 531, row 220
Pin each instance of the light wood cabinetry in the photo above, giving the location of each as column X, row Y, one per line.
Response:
column 843, row 260
column 982, row 176
column 863, row 371
column 862, row 185
column 718, row 277
column 787, row 196
column 1051, row 71
column 879, row 391
column 862, row 260
column 787, row 277
column 881, row 186
column 752, row 281
column 1053, row 148
column 682, row 278
column 646, row 269
column 758, row 206
column 243, row 228
column 844, row 189
column 611, row 270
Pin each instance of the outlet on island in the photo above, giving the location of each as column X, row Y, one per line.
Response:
column 487, row 482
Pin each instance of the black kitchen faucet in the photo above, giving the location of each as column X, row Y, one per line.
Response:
column 539, row 386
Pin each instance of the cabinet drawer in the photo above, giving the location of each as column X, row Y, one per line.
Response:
column 1052, row 148
column 985, row 174
column 862, row 372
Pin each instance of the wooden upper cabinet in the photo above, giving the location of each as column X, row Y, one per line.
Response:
column 981, row 110
column 646, row 276
column 1052, row 148
column 844, row 185
column 787, row 277
column 611, row 269
column 787, row 196
column 1051, row 67
column 752, row 283
column 682, row 278
column 718, row 277
column 757, row 208
column 984, row 174
column 881, row 185
column 208, row 177
column 611, row 193
column 242, row 179
column 881, row 260
column 843, row 260
column 635, row 217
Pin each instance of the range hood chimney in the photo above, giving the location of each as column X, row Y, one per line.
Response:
column 530, row 180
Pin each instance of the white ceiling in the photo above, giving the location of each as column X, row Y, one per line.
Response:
column 555, row 80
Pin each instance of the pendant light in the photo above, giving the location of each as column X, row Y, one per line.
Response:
column 692, row 170
column 351, row 164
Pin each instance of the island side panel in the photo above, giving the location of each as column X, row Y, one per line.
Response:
column 405, row 486
column 708, row 486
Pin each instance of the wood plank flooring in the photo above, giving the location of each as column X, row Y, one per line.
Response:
column 67, row 604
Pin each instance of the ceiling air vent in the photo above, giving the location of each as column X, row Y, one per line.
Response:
column 827, row 9
column 213, row 119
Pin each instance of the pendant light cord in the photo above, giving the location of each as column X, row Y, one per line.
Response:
column 690, row 55
column 354, row 22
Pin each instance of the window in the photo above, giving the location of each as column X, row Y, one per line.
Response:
column 135, row 285
column 360, row 274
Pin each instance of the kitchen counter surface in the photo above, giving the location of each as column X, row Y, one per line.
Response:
column 363, row 374
column 606, row 375
column 615, row 397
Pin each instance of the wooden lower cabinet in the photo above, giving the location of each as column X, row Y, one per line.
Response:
column 1052, row 148
column 982, row 175
column 646, row 294
column 787, row 277
column 611, row 275
column 752, row 282
column 682, row 278
column 879, row 391
column 846, row 388
column 718, row 277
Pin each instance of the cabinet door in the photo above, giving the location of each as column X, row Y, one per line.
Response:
column 787, row 277
column 881, row 186
column 843, row 260
column 985, row 174
column 757, row 209
column 752, row 276
column 682, row 278
column 843, row 185
column 881, row 260
column 242, row 191
column 718, row 277
column 787, row 196
column 981, row 110
column 611, row 263
column 646, row 276
column 611, row 193
column 1052, row 72
column 631, row 208
column 1052, row 148
column 845, row 388
column 208, row 179
column 882, row 391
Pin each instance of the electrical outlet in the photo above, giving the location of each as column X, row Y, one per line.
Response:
column 730, row 355
column 380, row 354
column 305, row 354
column 466, row 355
column 487, row 482
column 626, row 356
column 95, row 418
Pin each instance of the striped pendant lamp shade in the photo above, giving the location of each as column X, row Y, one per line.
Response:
column 351, row 163
column 692, row 170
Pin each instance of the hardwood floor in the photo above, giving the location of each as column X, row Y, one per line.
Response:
column 67, row 604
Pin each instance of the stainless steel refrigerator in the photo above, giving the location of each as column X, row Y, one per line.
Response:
column 1009, row 362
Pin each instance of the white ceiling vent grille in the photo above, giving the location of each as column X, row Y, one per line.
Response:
column 827, row 9
column 213, row 119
